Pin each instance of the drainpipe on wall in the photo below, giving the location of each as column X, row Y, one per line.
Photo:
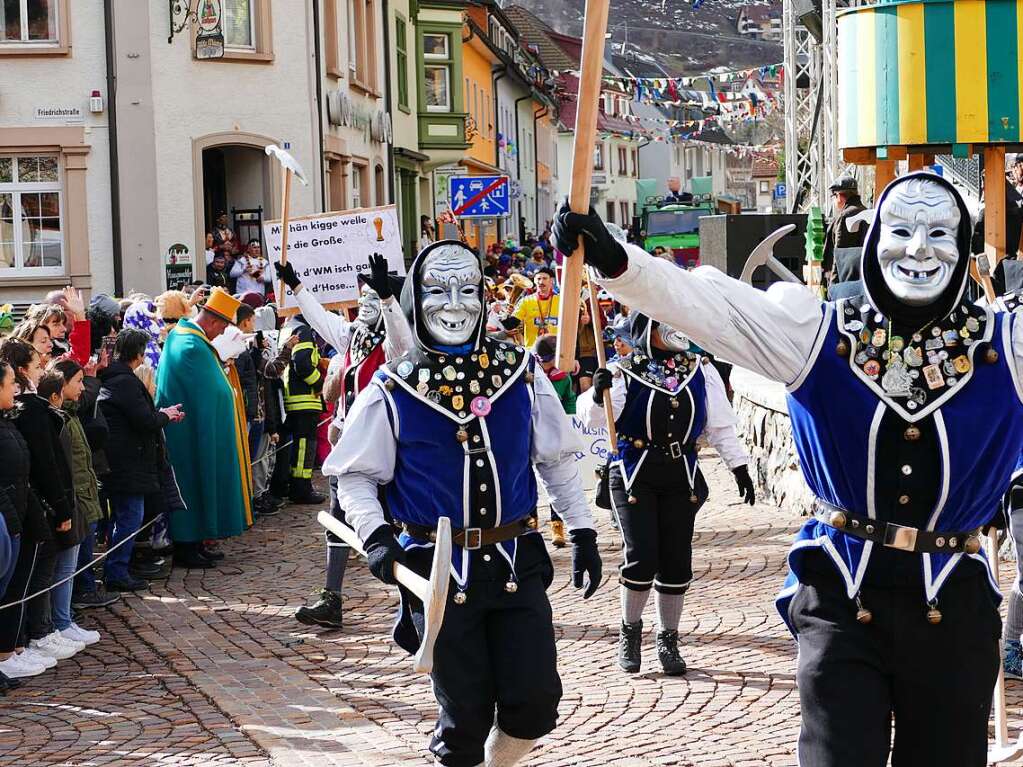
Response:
column 536, row 117
column 520, row 224
column 497, row 74
column 317, row 58
column 115, row 168
column 385, row 8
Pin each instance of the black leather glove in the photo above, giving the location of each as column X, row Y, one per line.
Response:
column 382, row 551
column 745, row 483
column 601, row 383
column 602, row 250
column 586, row 560
column 377, row 277
column 286, row 272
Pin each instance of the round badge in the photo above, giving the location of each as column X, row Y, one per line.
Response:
column 405, row 368
column 872, row 368
column 480, row 406
column 671, row 383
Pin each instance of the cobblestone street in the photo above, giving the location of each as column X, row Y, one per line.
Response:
column 210, row 668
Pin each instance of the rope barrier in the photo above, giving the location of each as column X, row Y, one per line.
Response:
column 109, row 551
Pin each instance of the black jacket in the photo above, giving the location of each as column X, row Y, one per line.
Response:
column 14, row 471
column 50, row 474
column 247, row 377
column 94, row 424
column 134, row 428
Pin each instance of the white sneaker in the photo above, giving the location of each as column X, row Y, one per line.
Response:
column 36, row 657
column 18, row 666
column 54, row 646
column 76, row 633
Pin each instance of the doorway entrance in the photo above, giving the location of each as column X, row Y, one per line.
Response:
column 236, row 181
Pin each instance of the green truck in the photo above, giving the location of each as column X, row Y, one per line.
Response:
column 673, row 226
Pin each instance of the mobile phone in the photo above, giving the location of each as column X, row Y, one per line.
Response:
column 108, row 345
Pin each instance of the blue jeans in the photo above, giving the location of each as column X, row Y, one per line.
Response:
column 5, row 577
column 60, row 597
column 126, row 513
column 85, row 581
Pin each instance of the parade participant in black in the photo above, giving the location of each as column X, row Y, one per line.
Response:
column 907, row 417
column 454, row 429
column 379, row 332
column 664, row 399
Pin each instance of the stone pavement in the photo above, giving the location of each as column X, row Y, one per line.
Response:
column 209, row 668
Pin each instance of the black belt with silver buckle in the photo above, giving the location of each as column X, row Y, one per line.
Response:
column 674, row 450
column 900, row 537
column 473, row 538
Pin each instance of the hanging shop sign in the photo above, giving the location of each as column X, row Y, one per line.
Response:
column 209, row 39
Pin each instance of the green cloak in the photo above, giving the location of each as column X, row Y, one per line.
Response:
column 206, row 448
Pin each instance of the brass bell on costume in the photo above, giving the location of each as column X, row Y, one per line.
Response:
column 638, row 444
column 933, row 614
column 462, row 435
column 972, row 544
column 842, row 348
column 511, row 587
column 991, row 356
column 674, row 403
column 837, row 519
column 528, row 377
column 459, row 598
column 633, row 499
column 912, row 433
column 693, row 498
column 389, row 384
column 863, row 615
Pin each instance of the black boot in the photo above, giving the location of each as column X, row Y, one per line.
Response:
column 326, row 612
column 667, row 651
column 629, row 641
column 188, row 555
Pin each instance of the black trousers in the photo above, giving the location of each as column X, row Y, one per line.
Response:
column 38, row 615
column 932, row 682
column 657, row 528
column 302, row 425
column 12, row 620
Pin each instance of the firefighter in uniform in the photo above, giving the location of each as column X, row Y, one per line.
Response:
column 303, row 404
column 454, row 428
column 907, row 416
column 664, row 399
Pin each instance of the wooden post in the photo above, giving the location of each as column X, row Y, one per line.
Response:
column 994, row 204
column 598, row 336
column 285, row 203
column 591, row 72
column 884, row 174
column 919, row 161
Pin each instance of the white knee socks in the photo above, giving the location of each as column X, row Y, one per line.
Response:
column 502, row 750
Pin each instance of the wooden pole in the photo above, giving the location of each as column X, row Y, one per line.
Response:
column 591, row 72
column 596, row 322
column 994, row 204
column 285, row 204
column 884, row 174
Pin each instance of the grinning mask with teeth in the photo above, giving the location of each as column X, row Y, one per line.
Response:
column 449, row 294
column 917, row 244
column 370, row 309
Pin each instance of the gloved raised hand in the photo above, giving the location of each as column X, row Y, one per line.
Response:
column 586, row 560
column 377, row 277
column 745, row 484
column 602, row 251
column 602, row 380
column 382, row 551
column 286, row 272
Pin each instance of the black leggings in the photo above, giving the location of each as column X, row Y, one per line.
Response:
column 13, row 618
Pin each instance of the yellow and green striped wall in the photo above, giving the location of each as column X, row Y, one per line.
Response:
column 930, row 72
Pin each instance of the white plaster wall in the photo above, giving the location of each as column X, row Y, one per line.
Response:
column 194, row 98
column 27, row 83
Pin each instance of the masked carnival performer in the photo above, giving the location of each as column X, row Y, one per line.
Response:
column 664, row 399
column 906, row 415
column 454, row 429
column 379, row 332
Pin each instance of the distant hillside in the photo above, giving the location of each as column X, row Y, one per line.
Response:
column 685, row 41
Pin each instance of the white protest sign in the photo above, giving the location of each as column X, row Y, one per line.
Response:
column 594, row 451
column 328, row 250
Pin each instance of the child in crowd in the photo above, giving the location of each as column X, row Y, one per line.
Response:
column 545, row 349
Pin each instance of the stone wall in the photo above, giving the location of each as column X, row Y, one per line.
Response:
column 764, row 428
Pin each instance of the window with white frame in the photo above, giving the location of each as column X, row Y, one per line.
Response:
column 435, row 46
column 28, row 21
column 437, row 68
column 240, row 24
column 31, row 227
column 357, row 186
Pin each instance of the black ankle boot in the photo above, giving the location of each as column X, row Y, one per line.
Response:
column 629, row 640
column 667, row 652
column 326, row 612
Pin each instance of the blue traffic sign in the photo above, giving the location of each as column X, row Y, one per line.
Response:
column 779, row 191
column 479, row 196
